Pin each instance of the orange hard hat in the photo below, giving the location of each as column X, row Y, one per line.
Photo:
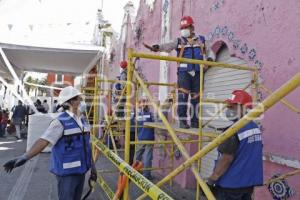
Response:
column 186, row 21
column 240, row 97
column 123, row 64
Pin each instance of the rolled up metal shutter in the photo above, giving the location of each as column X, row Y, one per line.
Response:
column 219, row 83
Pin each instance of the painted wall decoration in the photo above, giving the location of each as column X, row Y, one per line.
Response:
column 280, row 189
column 248, row 53
column 218, row 4
column 138, row 32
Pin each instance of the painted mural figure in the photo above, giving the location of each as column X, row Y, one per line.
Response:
column 239, row 167
column 191, row 46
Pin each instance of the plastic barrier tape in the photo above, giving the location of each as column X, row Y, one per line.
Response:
column 148, row 187
column 105, row 187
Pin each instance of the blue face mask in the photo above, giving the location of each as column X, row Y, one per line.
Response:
column 82, row 107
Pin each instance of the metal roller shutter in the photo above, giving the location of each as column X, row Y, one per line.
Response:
column 219, row 83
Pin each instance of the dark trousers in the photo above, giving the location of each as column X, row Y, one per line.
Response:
column 2, row 129
column 120, row 109
column 191, row 84
column 70, row 187
column 227, row 195
column 131, row 148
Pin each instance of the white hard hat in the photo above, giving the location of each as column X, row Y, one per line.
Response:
column 68, row 93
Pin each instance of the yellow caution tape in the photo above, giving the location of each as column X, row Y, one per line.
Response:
column 108, row 191
column 144, row 184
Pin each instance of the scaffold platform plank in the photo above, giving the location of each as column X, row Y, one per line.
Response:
column 191, row 131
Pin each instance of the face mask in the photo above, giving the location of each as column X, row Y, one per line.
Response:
column 82, row 107
column 232, row 115
column 185, row 33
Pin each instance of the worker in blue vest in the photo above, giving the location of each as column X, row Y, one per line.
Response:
column 191, row 46
column 144, row 152
column 239, row 167
column 71, row 153
column 120, row 86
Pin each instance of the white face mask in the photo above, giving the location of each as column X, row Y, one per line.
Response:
column 185, row 32
column 231, row 114
column 82, row 107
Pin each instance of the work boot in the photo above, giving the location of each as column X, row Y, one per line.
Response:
column 183, row 124
column 195, row 124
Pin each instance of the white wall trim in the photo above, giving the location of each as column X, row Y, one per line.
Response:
column 282, row 160
column 165, row 37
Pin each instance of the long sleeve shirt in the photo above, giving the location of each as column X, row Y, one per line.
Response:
column 173, row 44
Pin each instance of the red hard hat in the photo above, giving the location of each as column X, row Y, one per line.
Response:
column 123, row 64
column 240, row 97
column 186, row 21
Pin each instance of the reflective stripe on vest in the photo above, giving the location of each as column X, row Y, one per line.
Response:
column 72, row 152
column 190, row 51
column 246, row 170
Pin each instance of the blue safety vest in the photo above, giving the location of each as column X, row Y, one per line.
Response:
column 190, row 51
column 145, row 133
column 246, row 169
column 72, row 152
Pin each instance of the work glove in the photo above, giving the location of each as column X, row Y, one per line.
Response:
column 155, row 48
column 210, row 59
column 93, row 176
column 212, row 185
column 17, row 162
column 92, row 182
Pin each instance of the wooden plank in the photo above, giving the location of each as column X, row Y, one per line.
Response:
column 191, row 131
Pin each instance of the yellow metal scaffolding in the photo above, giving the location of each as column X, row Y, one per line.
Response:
column 193, row 162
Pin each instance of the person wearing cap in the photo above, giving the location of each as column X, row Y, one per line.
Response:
column 120, row 87
column 69, row 134
column 123, row 75
column 190, row 46
column 239, row 167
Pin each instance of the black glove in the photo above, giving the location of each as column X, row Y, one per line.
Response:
column 155, row 48
column 93, row 176
column 210, row 59
column 17, row 162
column 212, row 186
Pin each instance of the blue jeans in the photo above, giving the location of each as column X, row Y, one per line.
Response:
column 70, row 187
column 146, row 151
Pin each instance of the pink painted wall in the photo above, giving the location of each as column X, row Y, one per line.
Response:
column 271, row 28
